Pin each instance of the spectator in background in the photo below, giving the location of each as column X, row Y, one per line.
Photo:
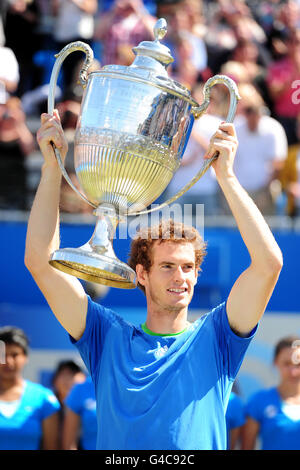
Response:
column 246, row 56
column 45, row 25
column 16, row 142
column 80, row 423
column 28, row 411
column 274, row 414
column 184, row 70
column 167, row 8
column 235, row 420
column 195, row 12
column 66, row 374
column 281, row 79
column 235, row 70
column 20, row 31
column 283, row 20
column 265, row 12
column 185, row 40
column 262, row 149
column 121, row 28
column 3, row 10
column 246, row 52
column 289, row 15
column 290, row 177
column 9, row 73
column 74, row 21
column 231, row 22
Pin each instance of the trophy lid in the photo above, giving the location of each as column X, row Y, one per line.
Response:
column 155, row 49
column 150, row 64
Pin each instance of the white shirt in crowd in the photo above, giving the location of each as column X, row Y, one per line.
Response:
column 72, row 22
column 9, row 70
column 257, row 151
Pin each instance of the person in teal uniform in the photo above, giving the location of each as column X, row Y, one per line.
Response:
column 235, row 420
column 80, row 421
column 28, row 410
column 273, row 414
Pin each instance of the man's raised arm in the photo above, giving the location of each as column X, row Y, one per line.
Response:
column 251, row 292
column 64, row 293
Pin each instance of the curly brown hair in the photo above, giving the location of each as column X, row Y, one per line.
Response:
column 165, row 231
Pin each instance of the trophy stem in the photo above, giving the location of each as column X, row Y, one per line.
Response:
column 96, row 261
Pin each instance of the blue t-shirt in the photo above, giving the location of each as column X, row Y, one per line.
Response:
column 82, row 401
column 278, row 430
column 23, row 430
column 161, row 392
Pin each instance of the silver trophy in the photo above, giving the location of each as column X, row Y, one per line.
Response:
column 131, row 134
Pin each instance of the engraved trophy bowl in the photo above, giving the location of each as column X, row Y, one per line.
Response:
column 131, row 134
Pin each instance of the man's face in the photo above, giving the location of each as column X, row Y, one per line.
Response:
column 170, row 282
column 253, row 115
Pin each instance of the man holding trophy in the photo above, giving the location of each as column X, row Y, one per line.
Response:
column 164, row 384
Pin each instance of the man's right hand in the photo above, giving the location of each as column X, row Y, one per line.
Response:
column 51, row 132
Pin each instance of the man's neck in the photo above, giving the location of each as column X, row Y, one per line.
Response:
column 166, row 322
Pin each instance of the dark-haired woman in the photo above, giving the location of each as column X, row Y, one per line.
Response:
column 28, row 411
column 274, row 413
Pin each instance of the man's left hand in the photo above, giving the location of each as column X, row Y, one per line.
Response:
column 225, row 142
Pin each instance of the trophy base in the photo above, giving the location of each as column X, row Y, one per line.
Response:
column 94, row 267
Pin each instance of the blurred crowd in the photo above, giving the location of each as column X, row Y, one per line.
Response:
column 61, row 412
column 256, row 43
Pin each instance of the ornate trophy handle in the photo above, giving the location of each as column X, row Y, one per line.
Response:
column 197, row 112
column 60, row 57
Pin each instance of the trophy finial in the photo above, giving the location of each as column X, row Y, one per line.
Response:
column 160, row 29
column 154, row 49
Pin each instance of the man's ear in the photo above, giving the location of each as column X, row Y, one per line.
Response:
column 140, row 274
